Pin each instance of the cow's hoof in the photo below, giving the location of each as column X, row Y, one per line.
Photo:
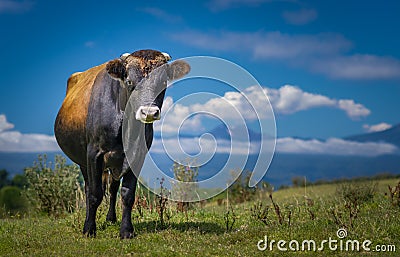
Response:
column 127, row 235
column 111, row 218
column 89, row 231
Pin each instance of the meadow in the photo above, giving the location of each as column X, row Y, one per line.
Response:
column 364, row 210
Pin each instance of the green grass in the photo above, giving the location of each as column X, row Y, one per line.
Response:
column 202, row 231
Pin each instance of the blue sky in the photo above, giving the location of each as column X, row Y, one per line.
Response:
column 333, row 67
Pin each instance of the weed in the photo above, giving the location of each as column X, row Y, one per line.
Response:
column 395, row 194
column 161, row 204
column 277, row 210
column 260, row 212
column 230, row 218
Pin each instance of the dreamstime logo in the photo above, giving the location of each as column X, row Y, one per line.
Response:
column 245, row 106
column 340, row 244
column 341, row 233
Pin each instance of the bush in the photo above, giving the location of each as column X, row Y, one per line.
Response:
column 11, row 200
column 356, row 194
column 185, row 173
column 240, row 191
column 53, row 189
column 4, row 180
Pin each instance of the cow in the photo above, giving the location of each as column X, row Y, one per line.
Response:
column 88, row 126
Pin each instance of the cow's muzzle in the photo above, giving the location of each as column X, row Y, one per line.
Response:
column 148, row 114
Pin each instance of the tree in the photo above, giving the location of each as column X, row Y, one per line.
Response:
column 19, row 180
column 4, row 180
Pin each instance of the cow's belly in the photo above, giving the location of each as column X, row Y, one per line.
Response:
column 70, row 123
column 72, row 142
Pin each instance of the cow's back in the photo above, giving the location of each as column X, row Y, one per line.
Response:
column 70, row 123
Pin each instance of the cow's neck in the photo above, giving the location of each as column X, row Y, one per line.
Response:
column 123, row 96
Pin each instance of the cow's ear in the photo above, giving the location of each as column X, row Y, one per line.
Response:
column 116, row 69
column 178, row 69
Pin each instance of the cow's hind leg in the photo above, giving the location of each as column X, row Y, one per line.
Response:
column 128, row 198
column 94, row 190
column 111, row 215
column 86, row 179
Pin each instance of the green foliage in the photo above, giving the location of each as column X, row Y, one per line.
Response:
column 53, row 189
column 299, row 181
column 185, row 173
column 4, row 180
column 239, row 191
column 353, row 197
column 356, row 194
column 204, row 232
column 12, row 201
column 20, row 181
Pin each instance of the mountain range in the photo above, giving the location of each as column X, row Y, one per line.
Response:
column 284, row 166
column 391, row 135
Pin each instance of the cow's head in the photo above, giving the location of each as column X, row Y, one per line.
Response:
column 145, row 73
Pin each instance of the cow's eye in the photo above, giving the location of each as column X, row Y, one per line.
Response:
column 129, row 82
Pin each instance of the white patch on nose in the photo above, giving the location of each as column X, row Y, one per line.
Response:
column 148, row 114
column 167, row 56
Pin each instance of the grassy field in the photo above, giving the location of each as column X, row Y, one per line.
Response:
column 312, row 213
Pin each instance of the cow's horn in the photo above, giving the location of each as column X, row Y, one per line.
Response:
column 167, row 56
column 124, row 56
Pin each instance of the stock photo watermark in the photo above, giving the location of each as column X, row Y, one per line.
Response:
column 338, row 243
column 245, row 104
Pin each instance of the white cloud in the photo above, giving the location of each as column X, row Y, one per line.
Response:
column 267, row 45
column 353, row 110
column 377, row 127
column 12, row 6
column 15, row 141
column 196, row 146
column 359, row 66
column 4, row 124
column 161, row 14
column 234, row 106
column 324, row 53
column 291, row 99
column 219, row 5
column 333, row 146
column 176, row 116
column 90, row 44
column 300, row 17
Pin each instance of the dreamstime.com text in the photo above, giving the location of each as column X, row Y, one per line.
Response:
column 332, row 244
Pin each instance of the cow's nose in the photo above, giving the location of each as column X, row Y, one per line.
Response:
column 148, row 114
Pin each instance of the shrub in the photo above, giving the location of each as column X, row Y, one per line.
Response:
column 240, row 191
column 185, row 192
column 4, row 180
column 53, row 189
column 11, row 200
column 354, row 196
column 299, row 181
column 356, row 193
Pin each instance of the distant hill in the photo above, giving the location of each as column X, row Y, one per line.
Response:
column 15, row 163
column 391, row 136
column 223, row 133
column 283, row 167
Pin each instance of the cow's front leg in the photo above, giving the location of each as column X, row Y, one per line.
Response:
column 94, row 191
column 128, row 198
